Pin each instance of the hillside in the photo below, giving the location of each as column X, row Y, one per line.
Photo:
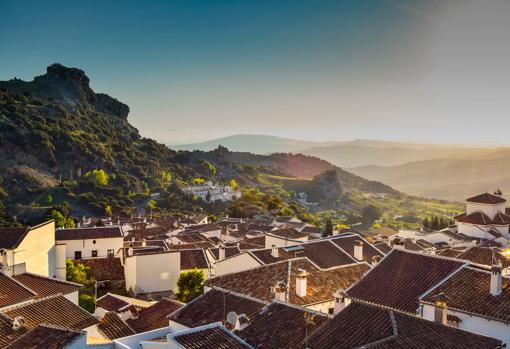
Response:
column 257, row 144
column 66, row 148
column 446, row 178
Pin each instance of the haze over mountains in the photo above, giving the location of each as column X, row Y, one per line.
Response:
column 451, row 172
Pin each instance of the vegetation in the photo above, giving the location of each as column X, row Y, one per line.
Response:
column 190, row 285
column 83, row 275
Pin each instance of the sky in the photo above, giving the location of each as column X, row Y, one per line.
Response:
column 403, row 70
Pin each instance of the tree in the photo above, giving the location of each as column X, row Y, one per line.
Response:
column 87, row 302
column 84, row 275
column 98, row 177
column 234, row 184
column 151, row 205
column 70, row 222
column 60, row 220
column 190, row 285
column 328, row 230
column 166, row 177
column 370, row 214
column 108, row 210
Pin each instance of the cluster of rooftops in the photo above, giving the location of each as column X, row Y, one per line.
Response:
column 271, row 283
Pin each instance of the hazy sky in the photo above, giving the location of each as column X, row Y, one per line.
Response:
column 434, row 70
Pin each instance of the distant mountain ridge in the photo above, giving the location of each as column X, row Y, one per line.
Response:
column 257, row 144
column 345, row 154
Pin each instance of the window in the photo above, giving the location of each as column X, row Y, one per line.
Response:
column 77, row 254
column 331, row 310
column 94, row 253
column 110, row 253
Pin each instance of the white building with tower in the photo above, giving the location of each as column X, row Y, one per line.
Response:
column 485, row 217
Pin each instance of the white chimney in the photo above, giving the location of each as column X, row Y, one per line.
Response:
column 340, row 298
column 358, row 250
column 440, row 309
column 60, row 261
column 301, row 282
column 279, row 291
column 130, row 251
column 274, row 251
column 496, row 279
column 144, row 242
column 18, row 323
column 221, row 253
column 398, row 243
column 376, row 259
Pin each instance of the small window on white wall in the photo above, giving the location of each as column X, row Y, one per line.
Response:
column 94, row 253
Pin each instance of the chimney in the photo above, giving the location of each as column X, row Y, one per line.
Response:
column 358, row 250
column 18, row 323
column 340, row 297
column 301, row 283
column 440, row 309
column 144, row 242
column 279, row 291
column 398, row 243
column 496, row 279
column 221, row 253
column 376, row 259
column 473, row 243
column 274, row 251
column 130, row 251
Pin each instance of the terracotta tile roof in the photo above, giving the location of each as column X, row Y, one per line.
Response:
column 88, row 233
column 45, row 286
column 111, row 303
column 483, row 255
column 468, row 290
column 311, row 230
column 47, row 337
column 288, row 233
column 487, row 198
column 324, row 253
column 347, row 244
column 321, row 284
column 477, row 217
column 362, row 325
column 281, row 326
column 450, row 252
column 104, row 268
column 383, row 247
column 53, row 310
column 111, row 326
column 252, row 243
column 146, row 233
column 213, row 306
column 191, row 259
column 7, row 333
column 10, row 238
column 13, row 292
column 501, row 219
column 229, row 252
column 155, row 316
column 216, row 337
column 401, row 278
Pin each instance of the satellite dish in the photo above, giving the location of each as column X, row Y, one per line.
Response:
column 232, row 318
